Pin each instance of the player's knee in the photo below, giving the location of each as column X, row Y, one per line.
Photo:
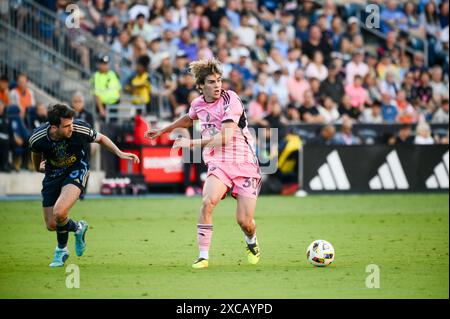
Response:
column 51, row 226
column 60, row 214
column 245, row 223
column 209, row 203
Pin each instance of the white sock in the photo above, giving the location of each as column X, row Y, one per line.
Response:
column 250, row 240
column 204, row 254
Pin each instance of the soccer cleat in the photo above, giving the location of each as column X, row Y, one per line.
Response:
column 80, row 242
column 200, row 263
column 60, row 258
column 253, row 253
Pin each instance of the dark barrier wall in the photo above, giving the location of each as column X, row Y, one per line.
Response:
column 375, row 168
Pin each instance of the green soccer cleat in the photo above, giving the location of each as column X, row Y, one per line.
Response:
column 253, row 253
column 80, row 242
column 200, row 263
column 60, row 258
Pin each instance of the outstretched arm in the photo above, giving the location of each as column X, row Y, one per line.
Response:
column 183, row 122
column 110, row 146
column 220, row 139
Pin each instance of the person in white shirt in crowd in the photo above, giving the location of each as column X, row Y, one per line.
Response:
column 372, row 114
column 440, row 89
column 423, row 134
column 356, row 67
column 329, row 110
column 245, row 32
column 316, row 68
column 279, row 87
column 441, row 115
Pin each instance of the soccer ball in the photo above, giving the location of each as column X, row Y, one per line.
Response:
column 320, row 253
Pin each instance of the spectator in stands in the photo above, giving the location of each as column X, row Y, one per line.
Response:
column 233, row 14
column 214, row 13
column 346, row 108
column 279, row 87
column 106, row 31
column 439, row 89
column 352, row 28
column 403, row 137
column 371, row 85
column 393, row 18
column 441, row 115
column 138, row 84
column 408, row 85
column 22, row 95
column 356, row 67
column 357, row 93
column 169, row 43
column 406, row 112
column 372, row 114
column 316, row 68
column 329, row 110
column 143, row 28
column 6, row 138
column 388, row 109
column 346, row 136
column 326, row 136
column 258, row 109
column 302, row 29
column 36, row 116
column 78, row 104
column 332, row 86
column 275, row 117
column 263, row 84
column 293, row 60
column 180, row 97
column 337, row 32
column 245, row 32
column 315, row 43
column 388, row 85
column 123, row 62
column 424, row 90
column 186, row 44
column 297, row 86
column 423, row 134
column 106, row 86
column 309, row 112
column 4, row 90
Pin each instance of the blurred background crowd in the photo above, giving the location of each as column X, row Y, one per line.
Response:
column 293, row 63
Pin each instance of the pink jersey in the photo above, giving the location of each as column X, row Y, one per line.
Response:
column 212, row 115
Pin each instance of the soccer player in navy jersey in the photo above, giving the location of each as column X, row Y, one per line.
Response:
column 58, row 150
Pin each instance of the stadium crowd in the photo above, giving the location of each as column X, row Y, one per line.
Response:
column 291, row 62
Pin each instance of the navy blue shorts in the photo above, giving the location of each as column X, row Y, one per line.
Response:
column 51, row 187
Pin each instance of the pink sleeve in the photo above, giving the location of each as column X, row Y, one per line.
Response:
column 234, row 110
column 193, row 113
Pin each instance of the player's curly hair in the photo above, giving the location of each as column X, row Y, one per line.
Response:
column 200, row 69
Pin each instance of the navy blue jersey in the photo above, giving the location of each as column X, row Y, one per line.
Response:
column 63, row 155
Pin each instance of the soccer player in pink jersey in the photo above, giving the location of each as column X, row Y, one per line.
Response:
column 228, row 152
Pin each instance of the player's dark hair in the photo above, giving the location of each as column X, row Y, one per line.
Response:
column 57, row 112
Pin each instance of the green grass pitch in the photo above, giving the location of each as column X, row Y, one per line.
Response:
column 144, row 247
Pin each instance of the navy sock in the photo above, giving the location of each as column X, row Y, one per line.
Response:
column 62, row 232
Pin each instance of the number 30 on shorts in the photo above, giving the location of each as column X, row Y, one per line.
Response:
column 253, row 182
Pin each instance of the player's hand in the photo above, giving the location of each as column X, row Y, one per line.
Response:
column 130, row 156
column 182, row 142
column 42, row 167
column 152, row 134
